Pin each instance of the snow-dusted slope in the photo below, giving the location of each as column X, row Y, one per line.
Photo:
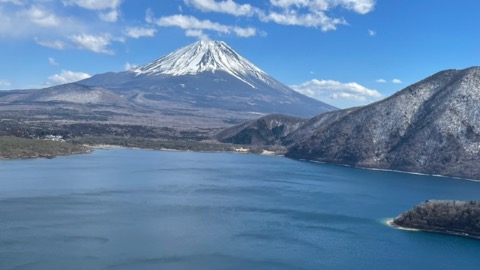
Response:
column 205, row 56
column 432, row 127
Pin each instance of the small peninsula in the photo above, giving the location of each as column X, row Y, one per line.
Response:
column 443, row 216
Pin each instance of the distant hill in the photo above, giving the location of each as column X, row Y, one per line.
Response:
column 266, row 131
column 68, row 93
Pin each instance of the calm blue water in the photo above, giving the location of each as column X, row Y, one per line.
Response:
column 135, row 209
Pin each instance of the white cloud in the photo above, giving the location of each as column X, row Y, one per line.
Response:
column 54, row 44
column 396, row 81
column 225, row 6
column 4, row 83
column 359, row 6
column 192, row 26
column 190, row 22
column 196, row 33
column 109, row 16
column 44, row 21
column 98, row 43
column 61, row 25
column 129, row 66
column 338, row 94
column 52, row 61
column 41, row 16
column 94, row 4
column 317, row 19
column 149, row 17
column 372, row 33
column 15, row 2
column 108, row 8
column 245, row 32
column 307, row 13
column 138, row 32
column 67, row 76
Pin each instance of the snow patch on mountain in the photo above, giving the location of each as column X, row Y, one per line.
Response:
column 205, row 56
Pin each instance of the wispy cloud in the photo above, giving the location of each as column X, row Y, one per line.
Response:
column 107, row 9
column 190, row 22
column 372, row 33
column 289, row 12
column 129, row 66
column 109, row 16
column 94, row 43
column 41, row 16
column 94, row 4
column 244, row 32
column 66, row 76
column 396, row 81
column 225, row 6
column 137, row 32
column 338, row 93
column 196, row 33
column 15, row 2
column 37, row 18
column 359, row 6
column 318, row 20
column 192, row 25
column 52, row 61
column 54, row 44
column 4, row 83
column 66, row 24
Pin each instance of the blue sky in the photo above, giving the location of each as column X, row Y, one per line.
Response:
column 343, row 52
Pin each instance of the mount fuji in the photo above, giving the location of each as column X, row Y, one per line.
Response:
column 187, row 95
column 209, row 75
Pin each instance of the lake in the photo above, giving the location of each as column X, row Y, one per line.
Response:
column 140, row 209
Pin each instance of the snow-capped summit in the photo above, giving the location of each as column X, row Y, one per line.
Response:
column 204, row 56
column 208, row 74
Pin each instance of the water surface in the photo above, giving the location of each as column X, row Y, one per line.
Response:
column 137, row 209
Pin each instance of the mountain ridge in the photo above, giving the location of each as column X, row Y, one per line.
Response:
column 431, row 127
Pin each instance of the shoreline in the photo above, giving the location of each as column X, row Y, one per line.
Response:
column 389, row 223
column 88, row 151
column 392, row 170
column 234, row 151
column 265, row 152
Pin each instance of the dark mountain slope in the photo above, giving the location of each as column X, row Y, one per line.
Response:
column 268, row 130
